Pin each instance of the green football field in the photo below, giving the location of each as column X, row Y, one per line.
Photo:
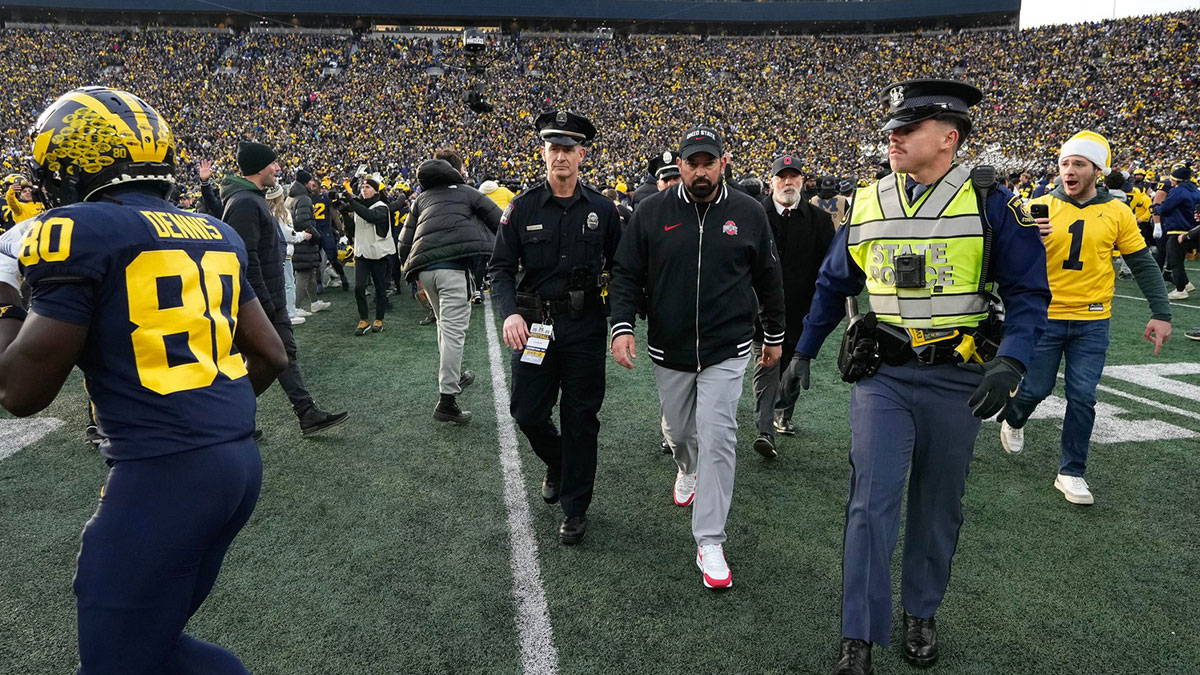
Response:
column 388, row 546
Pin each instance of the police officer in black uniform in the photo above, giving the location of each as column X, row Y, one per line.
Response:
column 563, row 234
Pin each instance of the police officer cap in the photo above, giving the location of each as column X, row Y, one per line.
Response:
column 784, row 163
column 664, row 166
column 827, row 183
column 563, row 127
column 916, row 100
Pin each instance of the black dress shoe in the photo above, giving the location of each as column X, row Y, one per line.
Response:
column 856, row 658
column 920, row 640
column 314, row 419
column 572, row 529
column 765, row 446
column 666, row 447
column 551, row 484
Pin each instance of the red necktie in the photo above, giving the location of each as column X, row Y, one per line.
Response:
column 787, row 212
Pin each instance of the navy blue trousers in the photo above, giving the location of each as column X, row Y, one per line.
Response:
column 151, row 554
column 574, row 366
column 908, row 422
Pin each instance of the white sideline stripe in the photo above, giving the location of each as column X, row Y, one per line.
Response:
column 1173, row 303
column 18, row 433
column 538, row 655
column 1143, row 400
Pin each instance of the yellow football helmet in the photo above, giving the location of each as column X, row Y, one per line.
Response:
column 94, row 138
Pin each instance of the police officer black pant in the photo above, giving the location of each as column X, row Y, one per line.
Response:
column 574, row 365
column 768, row 394
column 910, row 421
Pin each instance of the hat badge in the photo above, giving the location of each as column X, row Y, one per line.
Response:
column 897, row 97
column 561, row 117
column 667, row 156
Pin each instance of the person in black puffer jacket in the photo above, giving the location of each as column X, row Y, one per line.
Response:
column 450, row 226
column 306, row 258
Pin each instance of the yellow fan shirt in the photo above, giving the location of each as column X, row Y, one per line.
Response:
column 1079, row 253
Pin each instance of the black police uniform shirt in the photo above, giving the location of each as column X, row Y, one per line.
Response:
column 159, row 290
column 549, row 237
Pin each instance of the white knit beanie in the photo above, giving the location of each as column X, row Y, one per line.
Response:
column 1092, row 147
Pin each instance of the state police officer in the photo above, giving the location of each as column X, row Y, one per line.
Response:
column 928, row 243
column 563, row 233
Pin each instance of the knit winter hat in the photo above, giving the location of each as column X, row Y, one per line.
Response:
column 253, row 157
column 1090, row 146
column 302, row 176
column 1181, row 172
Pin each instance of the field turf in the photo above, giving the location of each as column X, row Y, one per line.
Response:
column 383, row 546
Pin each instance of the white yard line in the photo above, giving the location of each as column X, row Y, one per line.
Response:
column 538, row 655
column 18, row 433
column 1138, row 297
column 1145, row 401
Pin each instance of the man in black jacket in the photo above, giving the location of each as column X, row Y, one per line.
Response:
column 306, row 257
column 451, row 225
column 246, row 211
column 802, row 234
column 702, row 253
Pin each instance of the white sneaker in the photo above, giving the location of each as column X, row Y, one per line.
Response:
column 1012, row 439
column 1074, row 488
column 297, row 320
column 319, row 305
column 1189, row 288
column 1177, row 295
column 685, row 488
column 711, row 561
column 303, row 312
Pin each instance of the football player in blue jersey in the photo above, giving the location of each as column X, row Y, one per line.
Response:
column 152, row 304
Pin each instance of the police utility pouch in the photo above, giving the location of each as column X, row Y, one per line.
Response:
column 859, row 355
column 529, row 306
column 910, row 270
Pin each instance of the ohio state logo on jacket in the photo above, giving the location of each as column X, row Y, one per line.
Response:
column 730, row 227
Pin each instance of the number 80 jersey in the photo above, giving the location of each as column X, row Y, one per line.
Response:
column 159, row 290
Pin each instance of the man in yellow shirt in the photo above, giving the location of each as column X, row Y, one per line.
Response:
column 1085, row 224
column 20, row 200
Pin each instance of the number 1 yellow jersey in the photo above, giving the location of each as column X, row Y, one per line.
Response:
column 1079, row 261
column 159, row 290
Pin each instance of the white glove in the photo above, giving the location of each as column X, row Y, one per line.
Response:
column 10, row 241
column 344, row 241
column 8, row 272
column 1158, row 231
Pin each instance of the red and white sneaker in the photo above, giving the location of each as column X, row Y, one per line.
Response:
column 711, row 561
column 685, row 488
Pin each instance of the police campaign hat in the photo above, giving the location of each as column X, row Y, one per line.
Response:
column 664, row 166
column 702, row 139
column 784, row 163
column 915, row 100
column 563, row 127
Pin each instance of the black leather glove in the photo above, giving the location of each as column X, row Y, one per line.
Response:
column 795, row 377
column 1001, row 377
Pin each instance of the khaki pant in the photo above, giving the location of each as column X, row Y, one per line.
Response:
column 450, row 295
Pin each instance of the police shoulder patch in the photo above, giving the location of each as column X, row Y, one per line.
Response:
column 1021, row 212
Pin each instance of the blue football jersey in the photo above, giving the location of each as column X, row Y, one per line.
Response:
column 159, row 290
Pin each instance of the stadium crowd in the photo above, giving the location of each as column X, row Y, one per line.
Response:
column 334, row 102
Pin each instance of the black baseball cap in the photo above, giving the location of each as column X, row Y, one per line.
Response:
column 701, row 139
column 784, row 163
column 916, row 100
column 563, row 127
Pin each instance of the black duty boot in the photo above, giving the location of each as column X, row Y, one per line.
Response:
column 572, row 530
column 920, row 640
column 447, row 410
column 466, row 379
column 765, row 446
column 313, row 419
column 856, row 658
column 551, row 484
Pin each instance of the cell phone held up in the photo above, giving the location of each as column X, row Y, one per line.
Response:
column 1039, row 211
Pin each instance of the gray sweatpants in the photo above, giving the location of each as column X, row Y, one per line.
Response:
column 699, row 421
column 450, row 295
